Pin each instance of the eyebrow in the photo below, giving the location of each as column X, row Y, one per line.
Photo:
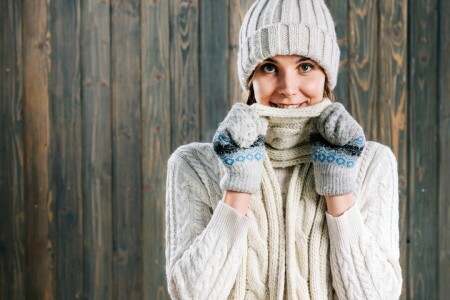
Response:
column 301, row 59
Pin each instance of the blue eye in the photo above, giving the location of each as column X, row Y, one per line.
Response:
column 306, row 67
column 269, row 68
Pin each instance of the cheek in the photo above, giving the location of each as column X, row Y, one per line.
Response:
column 313, row 87
column 262, row 91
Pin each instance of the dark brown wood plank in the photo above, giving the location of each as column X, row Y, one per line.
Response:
column 213, row 66
column 236, row 14
column 155, row 142
column 363, row 62
column 65, row 118
column 340, row 12
column 423, row 153
column 97, row 156
column 40, row 219
column 12, row 206
column 393, row 106
column 185, row 95
column 127, row 176
column 444, row 146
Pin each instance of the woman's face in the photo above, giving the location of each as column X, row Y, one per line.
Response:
column 288, row 81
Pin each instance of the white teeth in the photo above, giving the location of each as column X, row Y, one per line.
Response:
column 289, row 106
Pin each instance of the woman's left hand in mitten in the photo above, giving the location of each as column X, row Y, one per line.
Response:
column 337, row 145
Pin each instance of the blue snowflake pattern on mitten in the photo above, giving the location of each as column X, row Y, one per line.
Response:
column 342, row 156
column 230, row 153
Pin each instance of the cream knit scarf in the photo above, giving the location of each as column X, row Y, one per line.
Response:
column 287, row 252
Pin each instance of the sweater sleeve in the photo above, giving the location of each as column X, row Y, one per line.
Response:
column 204, row 247
column 364, row 241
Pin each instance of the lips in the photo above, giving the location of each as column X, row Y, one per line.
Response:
column 288, row 106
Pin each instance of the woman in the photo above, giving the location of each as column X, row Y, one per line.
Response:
column 289, row 201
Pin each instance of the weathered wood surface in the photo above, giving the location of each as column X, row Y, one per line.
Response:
column 184, row 70
column 156, row 148
column 444, row 153
column 126, row 147
column 97, row 152
column 65, row 119
column 236, row 13
column 340, row 13
column 12, row 209
column 213, row 66
column 39, row 199
column 363, row 64
column 90, row 114
column 423, row 188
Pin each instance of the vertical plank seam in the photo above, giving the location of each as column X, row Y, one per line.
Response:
column 405, row 272
column 377, row 99
column 83, row 149
column 141, row 160
column 171, row 73
column 113, row 153
column 438, row 140
column 18, row 9
column 80, row 132
column 349, row 53
column 199, row 63
column 25, row 153
column 409, row 110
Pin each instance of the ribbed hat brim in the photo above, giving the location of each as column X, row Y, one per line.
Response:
column 289, row 39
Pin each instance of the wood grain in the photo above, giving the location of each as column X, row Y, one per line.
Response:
column 12, row 219
column 423, row 154
column 444, row 145
column 97, row 156
column 184, row 68
column 236, row 14
column 126, row 141
column 65, row 118
column 363, row 64
column 155, row 142
column 393, row 106
column 39, row 262
column 340, row 13
column 213, row 66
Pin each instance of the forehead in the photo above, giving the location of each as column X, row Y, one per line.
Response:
column 288, row 59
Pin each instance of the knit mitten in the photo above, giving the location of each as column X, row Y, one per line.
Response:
column 239, row 143
column 337, row 144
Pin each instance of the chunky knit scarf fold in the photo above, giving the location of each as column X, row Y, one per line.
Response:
column 287, row 252
column 287, row 139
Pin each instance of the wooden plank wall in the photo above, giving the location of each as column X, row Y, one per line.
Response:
column 156, row 141
column 443, row 237
column 12, row 200
column 423, row 158
column 96, row 95
column 96, row 150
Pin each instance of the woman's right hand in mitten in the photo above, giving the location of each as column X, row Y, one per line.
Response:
column 239, row 143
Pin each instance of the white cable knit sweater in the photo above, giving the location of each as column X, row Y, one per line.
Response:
column 213, row 252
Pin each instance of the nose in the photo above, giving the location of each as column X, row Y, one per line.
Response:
column 288, row 84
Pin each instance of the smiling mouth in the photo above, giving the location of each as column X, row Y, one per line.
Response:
column 288, row 106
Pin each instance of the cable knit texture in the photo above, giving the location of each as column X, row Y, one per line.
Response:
column 293, row 251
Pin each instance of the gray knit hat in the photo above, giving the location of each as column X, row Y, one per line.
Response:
column 287, row 27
